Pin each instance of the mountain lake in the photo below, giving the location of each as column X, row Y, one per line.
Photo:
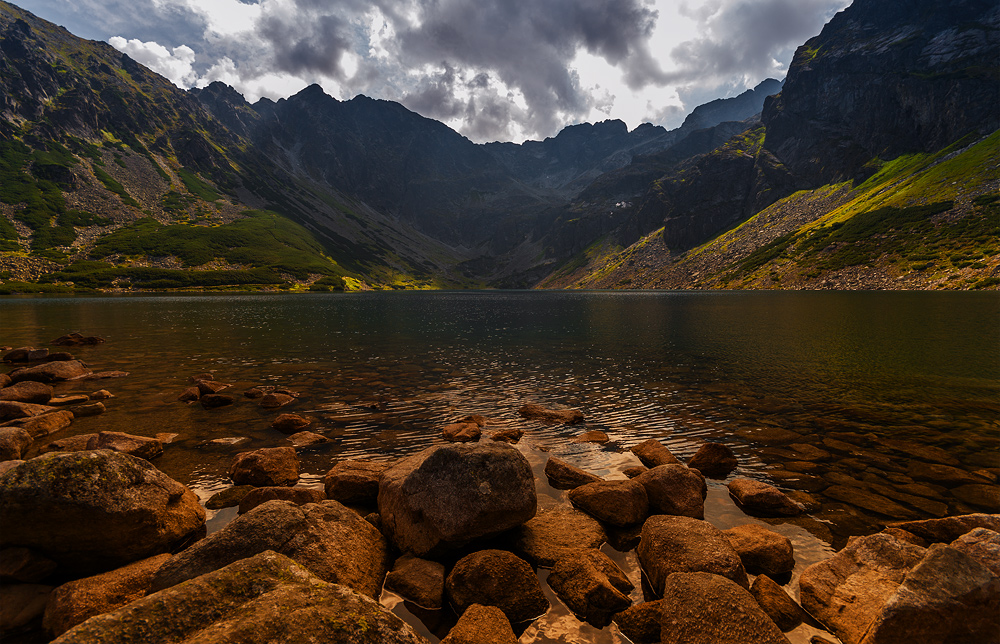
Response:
column 813, row 391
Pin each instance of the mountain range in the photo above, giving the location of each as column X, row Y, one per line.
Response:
column 873, row 165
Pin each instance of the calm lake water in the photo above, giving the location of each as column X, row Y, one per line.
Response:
column 870, row 407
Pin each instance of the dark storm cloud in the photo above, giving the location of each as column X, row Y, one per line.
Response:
column 747, row 38
column 316, row 45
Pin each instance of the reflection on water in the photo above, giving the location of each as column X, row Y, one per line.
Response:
column 846, row 398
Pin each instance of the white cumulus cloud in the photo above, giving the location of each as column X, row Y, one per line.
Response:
column 177, row 65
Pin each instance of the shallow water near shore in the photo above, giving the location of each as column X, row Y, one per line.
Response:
column 843, row 398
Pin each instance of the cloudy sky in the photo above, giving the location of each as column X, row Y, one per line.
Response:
column 492, row 69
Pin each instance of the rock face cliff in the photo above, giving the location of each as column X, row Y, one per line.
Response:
column 881, row 80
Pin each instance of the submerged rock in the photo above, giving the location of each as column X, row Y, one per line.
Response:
column 714, row 460
column 51, row 372
column 682, row 544
column 290, row 423
column 948, row 529
column 264, row 599
column 497, row 578
column 563, row 416
column 95, row 510
column 274, row 400
column 76, row 339
column 229, row 497
column 761, row 499
column 449, row 495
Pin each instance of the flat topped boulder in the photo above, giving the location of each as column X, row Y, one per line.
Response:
column 28, row 391
column 141, row 446
column 682, row 544
column 552, row 533
column 762, row 551
column 264, row 599
column 621, row 503
column 449, row 495
column 51, row 372
column 95, row 510
column 762, row 499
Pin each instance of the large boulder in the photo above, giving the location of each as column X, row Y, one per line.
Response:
column 621, row 503
column 95, row 510
column 51, row 372
column 11, row 409
column 79, row 600
column 481, row 625
column 449, row 495
column 847, row 591
column 702, row 608
column 682, row 544
column 591, row 585
column 653, row 453
column 333, row 542
column 714, row 460
column 266, row 467
column 496, row 578
column 417, row 580
column 763, row 551
column 28, row 391
column 762, row 499
column 674, row 489
column 563, row 476
column 952, row 595
column 265, row 599
column 551, row 533
column 354, row 481
column 948, row 529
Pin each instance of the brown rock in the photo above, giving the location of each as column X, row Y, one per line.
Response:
column 868, row 501
column 700, row 607
column 296, row 495
column 652, row 453
column 331, row 541
column 461, row 432
column 18, row 355
column 60, row 355
column 76, row 443
column 497, row 578
column 51, row 372
column 555, row 416
column 22, row 565
column 76, row 339
column 419, row 581
column 63, row 401
column 591, row 585
column 229, row 497
column 552, row 533
column 20, row 604
column 275, row 400
column 983, row 545
column 354, row 481
column 714, row 460
column 950, row 528
column 674, row 489
column 94, row 510
column 481, row 625
column 290, row 423
column 949, row 596
column 633, row 472
column 101, row 394
column 620, row 503
column 4, row 380
column 781, row 608
column 190, row 394
column 10, row 409
column 14, row 441
column 28, row 391
column 93, row 409
column 304, row 440
column 254, row 393
column 200, row 377
column 762, row 551
column 510, row 435
column 447, row 496
column 140, row 446
column 44, row 424
column 847, row 591
column 593, row 436
column 641, row 623
column 214, row 401
column 761, row 499
column 264, row 599
column 941, row 474
column 564, row 476
column 266, row 467
column 104, row 375
column 6, row 466
column 210, row 387
column 682, row 544
column 79, row 600
column 981, row 496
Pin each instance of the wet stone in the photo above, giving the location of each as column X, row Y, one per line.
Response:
column 229, row 497
column 564, row 476
column 653, row 453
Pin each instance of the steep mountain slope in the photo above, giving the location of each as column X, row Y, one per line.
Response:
column 878, row 85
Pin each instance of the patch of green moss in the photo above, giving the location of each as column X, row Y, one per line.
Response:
column 111, row 184
column 197, row 187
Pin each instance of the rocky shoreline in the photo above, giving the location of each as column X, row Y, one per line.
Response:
column 98, row 545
